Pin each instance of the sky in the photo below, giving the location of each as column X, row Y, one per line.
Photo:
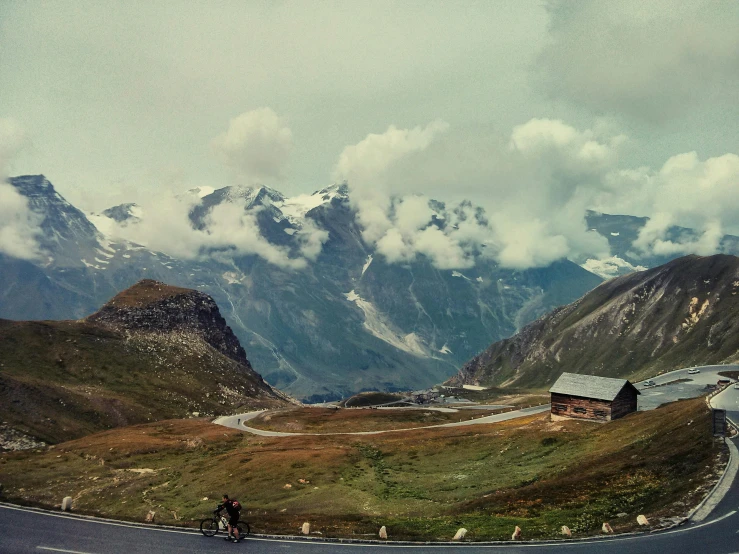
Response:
column 535, row 110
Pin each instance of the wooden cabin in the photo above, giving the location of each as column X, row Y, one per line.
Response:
column 593, row 398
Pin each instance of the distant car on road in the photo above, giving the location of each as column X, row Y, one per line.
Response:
column 694, row 370
column 649, row 383
column 736, row 385
column 722, row 382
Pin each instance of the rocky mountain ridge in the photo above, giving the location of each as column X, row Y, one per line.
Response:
column 151, row 306
column 680, row 314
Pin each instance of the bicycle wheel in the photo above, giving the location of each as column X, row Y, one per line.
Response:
column 243, row 528
column 209, row 527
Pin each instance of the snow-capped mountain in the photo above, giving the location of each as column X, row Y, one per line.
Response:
column 346, row 321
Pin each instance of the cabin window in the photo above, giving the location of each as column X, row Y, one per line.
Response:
column 600, row 413
column 580, row 410
column 560, row 408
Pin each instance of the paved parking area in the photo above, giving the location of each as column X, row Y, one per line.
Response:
column 666, row 390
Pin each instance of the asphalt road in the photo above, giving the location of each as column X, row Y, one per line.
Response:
column 238, row 421
column 28, row 531
column 695, row 385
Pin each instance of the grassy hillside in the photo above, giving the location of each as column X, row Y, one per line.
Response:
column 155, row 352
column 420, row 484
column 634, row 326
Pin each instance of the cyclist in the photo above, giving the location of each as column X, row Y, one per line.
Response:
column 232, row 507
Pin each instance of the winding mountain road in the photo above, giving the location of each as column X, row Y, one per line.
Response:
column 26, row 530
column 238, row 421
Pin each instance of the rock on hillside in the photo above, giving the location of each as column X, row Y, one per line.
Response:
column 153, row 352
column 680, row 314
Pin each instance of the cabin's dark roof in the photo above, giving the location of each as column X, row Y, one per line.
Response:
column 590, row 386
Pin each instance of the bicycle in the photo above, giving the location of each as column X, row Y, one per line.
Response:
column 210, row 526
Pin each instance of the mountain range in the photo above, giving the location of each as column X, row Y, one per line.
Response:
column 676, row 315
column 345, row 322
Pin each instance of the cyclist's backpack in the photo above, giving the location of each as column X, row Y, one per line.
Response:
column 236, row 505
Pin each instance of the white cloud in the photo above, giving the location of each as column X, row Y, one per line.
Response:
column 365, row 163
column 652, row 61
column 256, row 146
column 229, row 228
column 228, row 231
column 548, row 173
column 19, row 226
column 365, row 167
column 691, row 193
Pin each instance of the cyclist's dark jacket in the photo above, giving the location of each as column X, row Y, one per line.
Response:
column 233, row 513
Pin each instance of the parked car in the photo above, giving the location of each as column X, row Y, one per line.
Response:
column 736, row 386
column 649, row 383
column 722, row 382
column 694, row 370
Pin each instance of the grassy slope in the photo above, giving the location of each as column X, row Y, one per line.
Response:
column 422, row 484
column 61, row 380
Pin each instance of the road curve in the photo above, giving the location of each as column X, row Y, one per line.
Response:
column 652, row 397
column 238, row 421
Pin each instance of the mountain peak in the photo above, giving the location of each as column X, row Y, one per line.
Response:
column 146, row 292
column 154, row 307
column 121, row 213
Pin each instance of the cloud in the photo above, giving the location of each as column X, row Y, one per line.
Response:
column 229, row 231
column 397, row 225
column 366, row 163
column 547, row 174
column 413, row 235
column 691, row 193
column 19, row 226
column 651, row 62
column 554, row 172
column 365, row 166
column 256, row 146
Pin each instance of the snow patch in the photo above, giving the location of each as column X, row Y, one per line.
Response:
column 458, row 274
column 290, row 230
column 297, row 206
column 375, row 325
column 615, row 234
column 367, row 264
column 445, row 350
column 479, row 279
column 610, row 267
column 232, row 278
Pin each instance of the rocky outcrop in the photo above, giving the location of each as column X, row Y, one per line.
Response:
column 151, row 306
column 676, row 315
column 153, row 352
